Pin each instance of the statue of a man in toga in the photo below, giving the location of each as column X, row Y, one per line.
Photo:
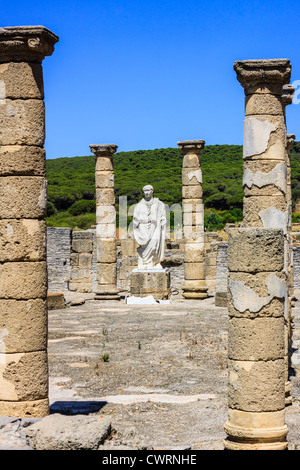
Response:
column 149, row 229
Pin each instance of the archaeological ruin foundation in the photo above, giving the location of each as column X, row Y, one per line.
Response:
column 252, row 269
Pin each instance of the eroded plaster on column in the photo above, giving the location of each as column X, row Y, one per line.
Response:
column 3, row 334
column 257, row 133
column 2, row 92
column 274, row 218
column 244, row 298
column 7, row 388
column 197, row 174
column 276, row 177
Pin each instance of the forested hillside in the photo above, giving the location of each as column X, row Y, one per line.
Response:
column 71, row 183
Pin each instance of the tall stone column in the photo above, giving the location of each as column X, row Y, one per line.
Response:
column 105, row 223
column 194, row 286
column 287, row 98
column 257, row 261
column 23, row 266
column 256, row 346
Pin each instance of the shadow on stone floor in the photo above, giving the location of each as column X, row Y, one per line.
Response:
column 76, row 407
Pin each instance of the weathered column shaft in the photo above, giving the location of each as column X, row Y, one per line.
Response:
column 194, row 286
column 23, row 268
column 256, row 349
column 257, row 261
column 287, row 98
column 105, row 223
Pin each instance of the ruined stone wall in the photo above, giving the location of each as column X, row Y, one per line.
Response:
column 72, row 263
column 59, row 258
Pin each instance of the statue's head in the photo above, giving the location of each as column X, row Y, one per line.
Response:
column 148, row 191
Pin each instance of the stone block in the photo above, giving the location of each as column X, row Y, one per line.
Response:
column 105, row 214
column 260, row 294
column 194, row 219
column 264, row 178
column 78, row 274
column 22, row 122
column 191, row 175
column 107, row 273
column 80, row 286
column 126, row 267
column 82, row 245
column 22, row 197
column 254, row 250
column 104, row 179
column 104, row 164
column 264, row 138
column 145, row 283
column 22, row 240
column 78, row 432
column 22, row 160
column 85, row 261
column 22, row 80
column 258, row 339
column 192, row 192
column 194, row 271
column 192, row 205
column 24, row 376
column 106, row 250
column 105, row 196
column 106, row 230
column 263, row 104
column 128, row 247
column 268, row 212
column 191, row 161
column 256, row 386
column 23, row 280
column 193, row 253
column 55, row 301
column 74, row 259
column 23, row 325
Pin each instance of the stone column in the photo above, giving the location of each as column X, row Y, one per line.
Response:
column 23, row 267
column 287, row 98
column 257, row 261
column 256, row 346
column 194, row 286
column 105, row 223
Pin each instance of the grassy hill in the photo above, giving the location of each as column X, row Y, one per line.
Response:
column 71, row 183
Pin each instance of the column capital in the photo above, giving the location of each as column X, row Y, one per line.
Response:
column 26, row 43
column 191, row 146
column 103, row 150
column 259, row 73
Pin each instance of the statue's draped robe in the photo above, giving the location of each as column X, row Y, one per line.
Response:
column 149, row 229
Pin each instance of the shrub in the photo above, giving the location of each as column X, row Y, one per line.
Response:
column 83, row 206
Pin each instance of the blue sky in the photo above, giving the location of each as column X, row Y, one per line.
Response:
column 145, row 74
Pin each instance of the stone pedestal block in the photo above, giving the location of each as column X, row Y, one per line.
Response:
column 155, row 283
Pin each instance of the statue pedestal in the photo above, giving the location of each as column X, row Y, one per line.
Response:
column 150, row 282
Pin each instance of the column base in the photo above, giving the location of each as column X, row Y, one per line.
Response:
column 25, row 409
column 194, row 290
column 256, row 431
column 107, row 293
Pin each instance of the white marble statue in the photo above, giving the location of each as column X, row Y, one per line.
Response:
column 149, row 230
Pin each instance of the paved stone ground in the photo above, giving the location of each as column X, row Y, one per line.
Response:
column 158, row 371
